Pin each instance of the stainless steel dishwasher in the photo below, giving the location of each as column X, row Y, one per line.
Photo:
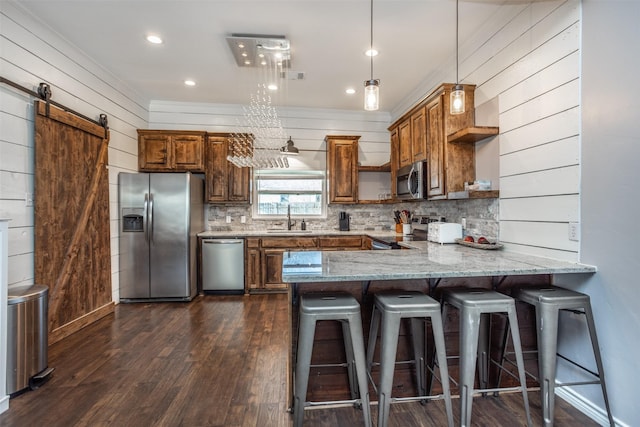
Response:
column 223, row 266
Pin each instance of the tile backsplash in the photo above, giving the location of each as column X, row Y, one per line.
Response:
column 481, row 216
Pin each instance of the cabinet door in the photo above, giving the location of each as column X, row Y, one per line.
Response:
column 342, row 165
column 189, row 153
column 239, row 184
column 394, row 161
column 216, row 168
column 404, row 143
column 419, row 135
column 435, row 148
column 340, row 243
column 253, row 265
column 272, row 269
column 155, row 152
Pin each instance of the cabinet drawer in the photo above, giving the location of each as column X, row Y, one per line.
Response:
column 340, row 242
column 289, row 243
column 252, row 243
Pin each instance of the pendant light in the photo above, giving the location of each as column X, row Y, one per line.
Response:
column 290, row 149
column 457, row 94
column 371, row 86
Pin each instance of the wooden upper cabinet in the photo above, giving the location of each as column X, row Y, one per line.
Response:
column 405, row 156
column 216, row 168
column 418, row 135
column 342, row 168
column 394, row 160
column 225, row 182
column 421, row 134
column 449, row 165
column 170, row 151
column 435, row 147
column 189, row 152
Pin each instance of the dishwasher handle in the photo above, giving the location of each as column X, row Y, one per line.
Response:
column 221, row 241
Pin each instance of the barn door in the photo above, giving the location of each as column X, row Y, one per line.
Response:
column 72, row 241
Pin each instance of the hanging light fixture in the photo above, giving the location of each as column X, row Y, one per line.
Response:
column 259, row 140
column 457, row 94
column 371, row 86
column 290, row 149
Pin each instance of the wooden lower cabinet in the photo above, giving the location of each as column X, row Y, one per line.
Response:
column 340, row 243
column 263, row 257
column 252, row 265
column 272, row 269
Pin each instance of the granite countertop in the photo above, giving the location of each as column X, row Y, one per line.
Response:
column 427, row 260
column 297, row 233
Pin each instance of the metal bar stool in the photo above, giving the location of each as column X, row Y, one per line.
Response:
column 472, row 305
column 331, row 306
column 389, row 308
column 548, row 302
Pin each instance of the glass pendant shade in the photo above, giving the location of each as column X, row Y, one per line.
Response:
column 371, row 95
column 457, row 100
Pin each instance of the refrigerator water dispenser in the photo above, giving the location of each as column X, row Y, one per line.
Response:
column 132, row 219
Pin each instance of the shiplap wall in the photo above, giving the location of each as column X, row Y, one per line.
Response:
column 32, row 54
column 534, row 70
column 528, row 59
column 307, row 127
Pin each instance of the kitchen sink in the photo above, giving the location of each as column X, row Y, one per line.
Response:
column 289, row 231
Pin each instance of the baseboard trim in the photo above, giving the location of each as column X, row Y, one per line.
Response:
column 4, row 403
column 587, row 407
column 79, row 323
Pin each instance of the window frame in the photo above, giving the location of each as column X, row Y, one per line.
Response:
column 293, row 174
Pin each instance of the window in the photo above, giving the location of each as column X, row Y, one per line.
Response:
column 275, row 191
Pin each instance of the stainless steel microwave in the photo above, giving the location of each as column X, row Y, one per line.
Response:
column 411, row 181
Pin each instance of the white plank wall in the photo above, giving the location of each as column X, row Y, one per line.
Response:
column 307, row 127
column 528, row 58
column 32, row 54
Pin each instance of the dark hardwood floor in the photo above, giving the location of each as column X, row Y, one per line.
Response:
column 217, row 361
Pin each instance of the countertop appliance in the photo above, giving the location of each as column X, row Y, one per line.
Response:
column 160, row 215
column 411, row 181
column 420, row 225
column 444, row 232
column 343, row 221
column 223, row 266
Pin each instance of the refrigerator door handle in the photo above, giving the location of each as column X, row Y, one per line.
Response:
column 146, row 217
column 150, row 224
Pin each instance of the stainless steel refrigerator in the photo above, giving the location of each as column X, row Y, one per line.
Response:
column 160, row 216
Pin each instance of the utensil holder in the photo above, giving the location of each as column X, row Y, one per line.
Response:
column 406, row 229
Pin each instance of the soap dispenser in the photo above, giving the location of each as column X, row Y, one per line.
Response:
column 303, row 225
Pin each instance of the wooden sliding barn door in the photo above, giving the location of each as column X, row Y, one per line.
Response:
column 72, row 239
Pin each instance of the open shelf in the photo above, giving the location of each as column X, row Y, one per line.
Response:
column 473, row 134
column 382, row 168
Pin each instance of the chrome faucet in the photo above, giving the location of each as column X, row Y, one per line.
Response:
column 290, row 223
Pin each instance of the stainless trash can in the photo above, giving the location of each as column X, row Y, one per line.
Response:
column 27, row 337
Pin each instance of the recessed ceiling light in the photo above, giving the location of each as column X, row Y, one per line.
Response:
column 247, row 62
column 189, row 83
column 154, row 39
column 241, row 45
column 263, row 63
column 272, row 87
column 350, row 91
column 371, row 52
column 244, row 54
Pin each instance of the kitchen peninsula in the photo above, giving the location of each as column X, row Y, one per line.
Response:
column 428, row 267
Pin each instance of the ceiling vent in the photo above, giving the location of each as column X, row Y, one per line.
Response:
column 292, row 75
column 258, row 50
